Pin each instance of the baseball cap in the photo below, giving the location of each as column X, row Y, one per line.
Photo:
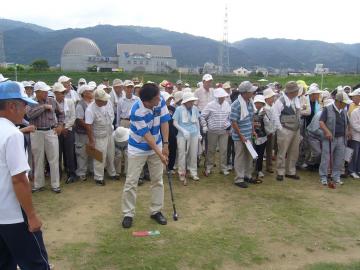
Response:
column 247, row 87
column 41, row 86
column 207, row 77
column 63, row 79
column 100, row 94
column 58, row 87
column 12, row 90
column 117, row 82
column 128, row 83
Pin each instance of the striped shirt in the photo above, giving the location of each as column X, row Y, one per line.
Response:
column 41, row 118
column 215, row 116
column 245, row 125
column 142, row 121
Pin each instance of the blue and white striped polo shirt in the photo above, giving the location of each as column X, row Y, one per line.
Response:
column 143, row 120
column 245, row 125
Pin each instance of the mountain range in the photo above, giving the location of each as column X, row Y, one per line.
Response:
column 26, row 42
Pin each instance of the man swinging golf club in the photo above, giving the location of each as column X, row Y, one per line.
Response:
column 148, row 117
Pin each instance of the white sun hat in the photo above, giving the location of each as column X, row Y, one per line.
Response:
column 58, row 87
column 259, row 98
column 220, row 92
column 121, row 134
column 268, row 93
column 188, row 96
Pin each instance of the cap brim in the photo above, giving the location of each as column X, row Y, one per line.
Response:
column 29, row 101
column 190, row 99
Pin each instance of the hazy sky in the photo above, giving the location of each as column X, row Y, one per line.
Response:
column 331, row 21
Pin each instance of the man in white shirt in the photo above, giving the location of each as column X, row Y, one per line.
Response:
column 124, row 105
column 287, row 121
column 21, row 241
column 69, row 92
column 205, row 93
column 99, row 116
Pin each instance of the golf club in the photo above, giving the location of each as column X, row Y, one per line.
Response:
column 175, row 215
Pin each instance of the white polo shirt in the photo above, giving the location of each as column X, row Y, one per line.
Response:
column 12, row 162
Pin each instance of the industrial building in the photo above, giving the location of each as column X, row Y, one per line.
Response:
column 80, row 54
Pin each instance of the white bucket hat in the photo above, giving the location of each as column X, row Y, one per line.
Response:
column 259, row 98
column 121, row 134
column 58, row 87
column 178, row 96
column 188, row 96
column 313, row 89
column 220, row 93
column 268, row 93
column 100, row 94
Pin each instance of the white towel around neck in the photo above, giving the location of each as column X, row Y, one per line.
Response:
column 288, row 101
column 244, row 112
column 185, row 115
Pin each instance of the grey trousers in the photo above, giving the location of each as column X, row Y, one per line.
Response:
column 84, row 162
column 215, row 139
column 288, row 151
column 338, row 153
column 354, row 165
column 315, row 148
column 243, row 163
column 45, row 143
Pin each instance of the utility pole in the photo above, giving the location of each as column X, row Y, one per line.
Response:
column 223, row 57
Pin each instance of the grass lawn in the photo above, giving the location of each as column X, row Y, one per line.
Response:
column 274, row 225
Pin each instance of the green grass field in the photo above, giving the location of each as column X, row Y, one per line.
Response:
column 275, row 225
column 330, row 81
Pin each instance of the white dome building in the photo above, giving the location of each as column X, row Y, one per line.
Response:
column 78, row 54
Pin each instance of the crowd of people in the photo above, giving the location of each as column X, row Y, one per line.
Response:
column 139, row 130
column 297, row 126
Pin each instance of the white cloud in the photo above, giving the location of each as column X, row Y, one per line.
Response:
column 306, row 19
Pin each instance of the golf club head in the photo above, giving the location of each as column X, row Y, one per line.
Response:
column 175, row 216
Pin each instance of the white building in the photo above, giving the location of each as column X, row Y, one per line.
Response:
column 241, row 72
column 79, row 54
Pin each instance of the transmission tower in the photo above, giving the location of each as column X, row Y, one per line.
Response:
column 224, row 58
column 2, row 49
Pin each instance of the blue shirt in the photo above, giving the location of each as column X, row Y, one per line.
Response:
column 245, row 125
column 143, row 120
column 190, row 126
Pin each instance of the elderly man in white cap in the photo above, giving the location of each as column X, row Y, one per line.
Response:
column 44, row 116
column 205, row 93
column 124, row 105
column 20, row 227
column 179, row 86
column 66, row 138
column 287, row 121
column 269, row 119
column 241, row 117
column 116, row 93
column 84, row 162
column 69, row 92
column 186, row 120
column 215, row 122
column 99, row 116
column 334, row 124
column 29, row 89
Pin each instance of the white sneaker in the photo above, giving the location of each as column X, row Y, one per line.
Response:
column 355, row 175
column 195, row 178
column 225, row 172
column 229, row 167
column 304, row 166
column 261, row 175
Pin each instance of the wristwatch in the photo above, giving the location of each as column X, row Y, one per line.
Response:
column 165, row 142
